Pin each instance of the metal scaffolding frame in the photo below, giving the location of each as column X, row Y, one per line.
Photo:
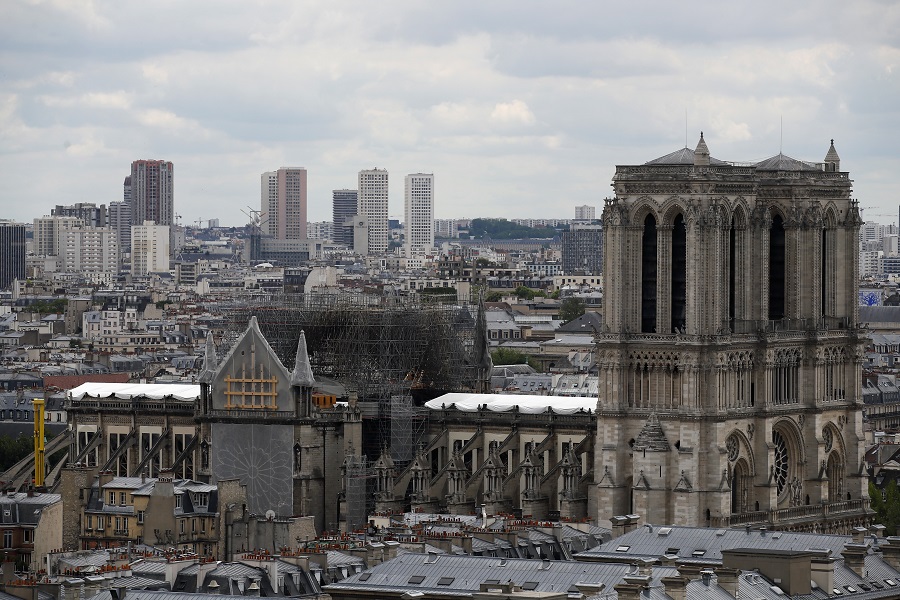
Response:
column 386, row 349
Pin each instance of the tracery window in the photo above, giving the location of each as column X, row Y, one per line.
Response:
column 781, row 463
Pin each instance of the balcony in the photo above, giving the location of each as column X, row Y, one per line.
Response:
column 795, row 515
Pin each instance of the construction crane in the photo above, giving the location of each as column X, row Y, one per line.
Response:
column 39, row 464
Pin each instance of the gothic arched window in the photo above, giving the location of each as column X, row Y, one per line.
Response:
column 776, row 269
column 679, row 272
column 648, row 276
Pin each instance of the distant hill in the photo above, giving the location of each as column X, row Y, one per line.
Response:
column 501, row 229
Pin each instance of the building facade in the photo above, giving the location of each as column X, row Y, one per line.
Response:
column 582, row 249
column 152, row 192
column 149, row 249
column 418, row 224
column 585, row 213
column 343, row 209
column 48, row 232
column 283, row 202
column 120, row 222
column 372, row 204
column 89, row 250
column 12, row 253
column 729, row 360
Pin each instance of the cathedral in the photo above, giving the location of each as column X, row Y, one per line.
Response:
column 729, row 360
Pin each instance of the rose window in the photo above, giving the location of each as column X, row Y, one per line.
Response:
column 781, row 460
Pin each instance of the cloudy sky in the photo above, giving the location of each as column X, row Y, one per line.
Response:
column 520, row 109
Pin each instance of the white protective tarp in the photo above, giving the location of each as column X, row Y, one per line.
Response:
column 126, row 391
column 561, row 405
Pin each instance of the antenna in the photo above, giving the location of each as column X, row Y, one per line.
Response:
column 685, row 128
column 781, row 137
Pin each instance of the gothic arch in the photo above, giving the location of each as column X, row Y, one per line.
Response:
column 741, row 481
column 835, row 461
column 671, row 208
column 742, row 450
column 643, row 206
column 740, row 212
column 787, row 460
column 830, row 213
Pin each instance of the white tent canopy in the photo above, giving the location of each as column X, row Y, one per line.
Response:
column 126, row 391
column 561, row 405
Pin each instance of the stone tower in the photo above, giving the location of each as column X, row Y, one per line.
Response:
column 729, row 359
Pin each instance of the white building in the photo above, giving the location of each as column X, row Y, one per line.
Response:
column 89, row 250
column 585, row 213
column 372, row 203
column 446, row 228
column 149, row 248
column 419, row 213
column 48, row 232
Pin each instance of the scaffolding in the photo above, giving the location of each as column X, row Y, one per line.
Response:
column 393, row 350
column 359, row 500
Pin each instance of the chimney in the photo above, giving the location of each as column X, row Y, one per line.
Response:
column 634, row 521
column 466, row 543
column 632, row 587
column 619, row 523
column 859, row 535
column 822, row 570
column 877, row 530
column 676, row 586
column 728, row 580
column 105, row 477
column 854, row 557
column 891, row 551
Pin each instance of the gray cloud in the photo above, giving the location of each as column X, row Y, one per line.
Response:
column 519, row 108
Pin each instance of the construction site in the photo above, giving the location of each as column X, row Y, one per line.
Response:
column 394, row 353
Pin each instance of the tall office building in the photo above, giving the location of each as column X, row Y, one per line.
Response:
column 91, row 214
column 343, row 209
column 283, row 203
column 418, row 213
column 120, row 222
column 152, row 192
column 582, row 249
column 12, row 253
column 149, row 248
column 372, row 203
column 126, row 190
column 48, row 231
column 585, row 213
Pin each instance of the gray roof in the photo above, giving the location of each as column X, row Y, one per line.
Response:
column 682, row 156
column 465, row 574
column 783, row 162
column 704, row 544
column 879, row 314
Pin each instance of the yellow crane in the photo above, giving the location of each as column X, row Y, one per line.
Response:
column 38, row 442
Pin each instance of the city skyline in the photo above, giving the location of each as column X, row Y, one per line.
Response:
column 508, row 107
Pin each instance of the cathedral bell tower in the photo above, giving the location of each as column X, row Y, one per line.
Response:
column 729, row 360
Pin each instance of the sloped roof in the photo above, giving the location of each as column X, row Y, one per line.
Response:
column 682, row 156
column 783, row 162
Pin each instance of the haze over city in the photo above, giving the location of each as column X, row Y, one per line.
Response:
column 519, row 109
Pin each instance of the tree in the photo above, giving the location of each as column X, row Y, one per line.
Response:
column 524, row 293
column 571, row 308
column 505, row 356
column 493, row 297
column 886, row 504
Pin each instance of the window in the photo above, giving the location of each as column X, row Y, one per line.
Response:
column 416, row 579
column 8, row 538
column 123, row 498
column 445, row 580
column 112, row 498
column 140, row 516
column 178, row 501
column 27, row 536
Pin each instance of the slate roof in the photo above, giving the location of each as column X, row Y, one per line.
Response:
column 651, row 542
column 682, row 156
column 463, row 575
column 783, row 162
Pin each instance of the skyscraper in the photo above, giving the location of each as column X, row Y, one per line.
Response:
column 120, row 222
column 373, row 205
column 152, row 192
column 12, row 253
column 343, row 209
column 582, row 249
column 283, row 203
column 126, row 190
column 149, row 248
column 418, row 213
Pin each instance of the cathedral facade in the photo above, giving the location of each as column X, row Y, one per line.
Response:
column 729, row 360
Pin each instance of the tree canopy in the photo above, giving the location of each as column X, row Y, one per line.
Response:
column 571, row 308
column 886, row 505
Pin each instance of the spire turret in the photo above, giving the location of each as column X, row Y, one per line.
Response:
column 701, row 154
column 832, row 160
column 302, row 375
